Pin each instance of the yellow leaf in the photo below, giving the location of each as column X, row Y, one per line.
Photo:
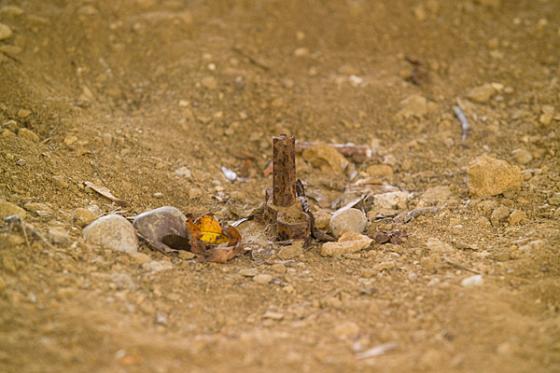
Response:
column 210, row 230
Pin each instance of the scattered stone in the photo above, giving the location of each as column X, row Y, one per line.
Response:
column 5, row 32
column 248, row 272
column 436, row 196
column 380, row 173
column 517, row 217
column 183, row 172
column 262, row 278
column 471, row 281
column 347, row 330
column 325, row 158
column 291, row 251
column 58, row 236
column 154, row 225
column 40, row 209
column 27, row 134
column 83, row 216
column 112, row 232
column 522, row 156
column 391, row 200
column 349, row 242
column 347, row 220
column 482, row 94
column 8, row 209
column 157, row 266
column 488, row 176
column 415, row 106
column 499, row 215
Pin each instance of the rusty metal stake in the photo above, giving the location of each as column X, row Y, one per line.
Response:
column 283, row 210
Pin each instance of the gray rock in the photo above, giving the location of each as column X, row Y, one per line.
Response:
column 153, row 225
column 112, row 232
column 347, row 220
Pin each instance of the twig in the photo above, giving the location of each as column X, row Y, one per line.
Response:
column 251, row 59
column 460, row 114
column 460, row 266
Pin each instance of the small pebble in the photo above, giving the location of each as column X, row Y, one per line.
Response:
column 262, row 278
column 522, row 156
column 517, row 217
column 482, row 94
column 499, row 215
column 27, row 134
column 112, row 232
column 471, row 281
column 58, row 236
column 83, row 216
column 347, row 220
column 248, row 272
column 489, row 176
column 183, row 172
column 291, row 251
column 5, row 31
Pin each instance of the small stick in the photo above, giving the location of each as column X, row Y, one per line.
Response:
column 460, row 114
column 251, row 59
column 284, row 171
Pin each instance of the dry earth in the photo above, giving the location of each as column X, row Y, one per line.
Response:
column 123, row 93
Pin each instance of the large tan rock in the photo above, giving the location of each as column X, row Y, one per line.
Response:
column 489, row 176
column 326, row 158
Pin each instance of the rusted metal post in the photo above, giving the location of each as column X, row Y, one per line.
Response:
column 283, row 210
column 284, row 170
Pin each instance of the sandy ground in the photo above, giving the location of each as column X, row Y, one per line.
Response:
column 123, row 93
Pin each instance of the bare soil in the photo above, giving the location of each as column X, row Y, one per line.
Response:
column 123, row 93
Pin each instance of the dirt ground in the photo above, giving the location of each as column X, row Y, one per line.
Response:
column 123, row 93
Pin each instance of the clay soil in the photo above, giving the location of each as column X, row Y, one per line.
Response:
column 123, row 93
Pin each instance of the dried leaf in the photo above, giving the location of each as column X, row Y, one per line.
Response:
column 105, row 192
column 211, row 242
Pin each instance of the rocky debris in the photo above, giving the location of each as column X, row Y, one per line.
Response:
column 522, row 156
column 58, row 236
column 291, row 251
column 112, row 232
column 83, row 216
column 262, row 278
column 435, row 196
column 183, row 172
column 471, row 281
column 482, row 94
column 415, row 106
column 27, row 134
column 40, row 209
column 347, row 220
column 347, row 330
column 157, row 266
column 5, row 32
column 499, row 215
column 517, row 217
column 349, row 242
column 489, row 176
column 380, row 173
column 391, row 200
column 325, row 158
column 8, row 209
column 154, row 225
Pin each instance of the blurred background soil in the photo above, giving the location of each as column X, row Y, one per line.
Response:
column 124, row 93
